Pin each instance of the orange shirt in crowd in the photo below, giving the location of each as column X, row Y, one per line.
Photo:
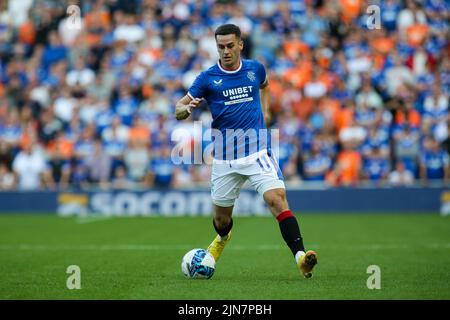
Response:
column 65, row 147
column 299, row 74
column 416, row 34
column 382, row 45
column 348, row 166
column 350, row 9
column 413, row 118
column 26, row 33
column 380, row 48
column 303, row 108
column 344, row 118
column 147, row 90
column 141, row 133
column 294, row 48
column 95, row 19
column 330, row 108
column 276, row 93
column 327, row 79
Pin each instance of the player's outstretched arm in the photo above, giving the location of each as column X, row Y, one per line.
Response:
column 184, row 106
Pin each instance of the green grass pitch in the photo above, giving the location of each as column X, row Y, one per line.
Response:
column 139, row 258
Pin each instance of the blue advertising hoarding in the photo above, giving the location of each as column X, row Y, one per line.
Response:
column 174, row 202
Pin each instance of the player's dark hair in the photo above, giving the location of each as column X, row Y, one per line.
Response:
column 228, row 29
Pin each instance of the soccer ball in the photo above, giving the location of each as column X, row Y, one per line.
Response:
column 198, row 264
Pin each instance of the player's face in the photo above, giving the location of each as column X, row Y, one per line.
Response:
column 229, row 48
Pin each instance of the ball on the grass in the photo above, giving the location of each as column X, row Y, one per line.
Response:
column 198, row 264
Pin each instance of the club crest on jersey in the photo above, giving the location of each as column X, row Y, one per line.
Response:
column 218, row 82
column 251, row 76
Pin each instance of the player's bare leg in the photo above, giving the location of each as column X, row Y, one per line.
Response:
column 222, row 223
column 278, row 205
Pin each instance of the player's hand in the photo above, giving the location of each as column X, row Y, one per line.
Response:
column 194, row 104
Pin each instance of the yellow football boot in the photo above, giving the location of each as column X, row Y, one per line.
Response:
column 307, row 262
column 216, row 247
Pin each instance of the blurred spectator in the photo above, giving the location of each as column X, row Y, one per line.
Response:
column 354, row 134
column 406, row 146
column 162, row 169
column 84, row 142
column 316, row 165
column 127, row 29
column 368, row 97
column 48, row 125
column 287, row 157
column 139, row 131
column 80, row 74
column 401, row 176
column 436, row 113
column 59, row 169
column 64, row 106
column 79, row 179
column 348, row 167
column 7, row 178
column 120, row 181
column 375, row 166
column 19, row 10
column 125, row 105
column 376, row 140
column 434, row 162
column 397, row 76
column 30, row 167
column 390, row 10
column 6, row 154
column 333, row 83
column 98, row 165
column 55, row 51
column 116, row 131
column 187, row 176
column 11, row 131
column 136, row 159
column 265, row 42
column 410, row 15
column 421, row 62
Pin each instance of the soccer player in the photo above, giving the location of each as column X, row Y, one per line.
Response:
column 237, row 92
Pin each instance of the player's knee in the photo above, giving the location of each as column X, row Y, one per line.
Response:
column 276, row 199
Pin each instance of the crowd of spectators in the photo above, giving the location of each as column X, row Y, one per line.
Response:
column 90, row 102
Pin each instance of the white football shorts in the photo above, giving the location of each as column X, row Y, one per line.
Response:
column 228, row 176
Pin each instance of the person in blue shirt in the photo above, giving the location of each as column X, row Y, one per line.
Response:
column 375, row 166
column 389, row 12
column 406, row 146
column 287, row 157
column 125, row 106
column 237, row 92
column 434, row 163
column 316, row 164
column 54, row 51
column 162, row 169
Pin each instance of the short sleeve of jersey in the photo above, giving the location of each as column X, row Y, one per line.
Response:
column 197, row 90
column 261, row 72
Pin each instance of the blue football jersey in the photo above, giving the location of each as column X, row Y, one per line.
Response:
column 435, row 162
column 234, row 101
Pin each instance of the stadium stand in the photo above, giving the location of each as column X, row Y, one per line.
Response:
column 94, row 105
